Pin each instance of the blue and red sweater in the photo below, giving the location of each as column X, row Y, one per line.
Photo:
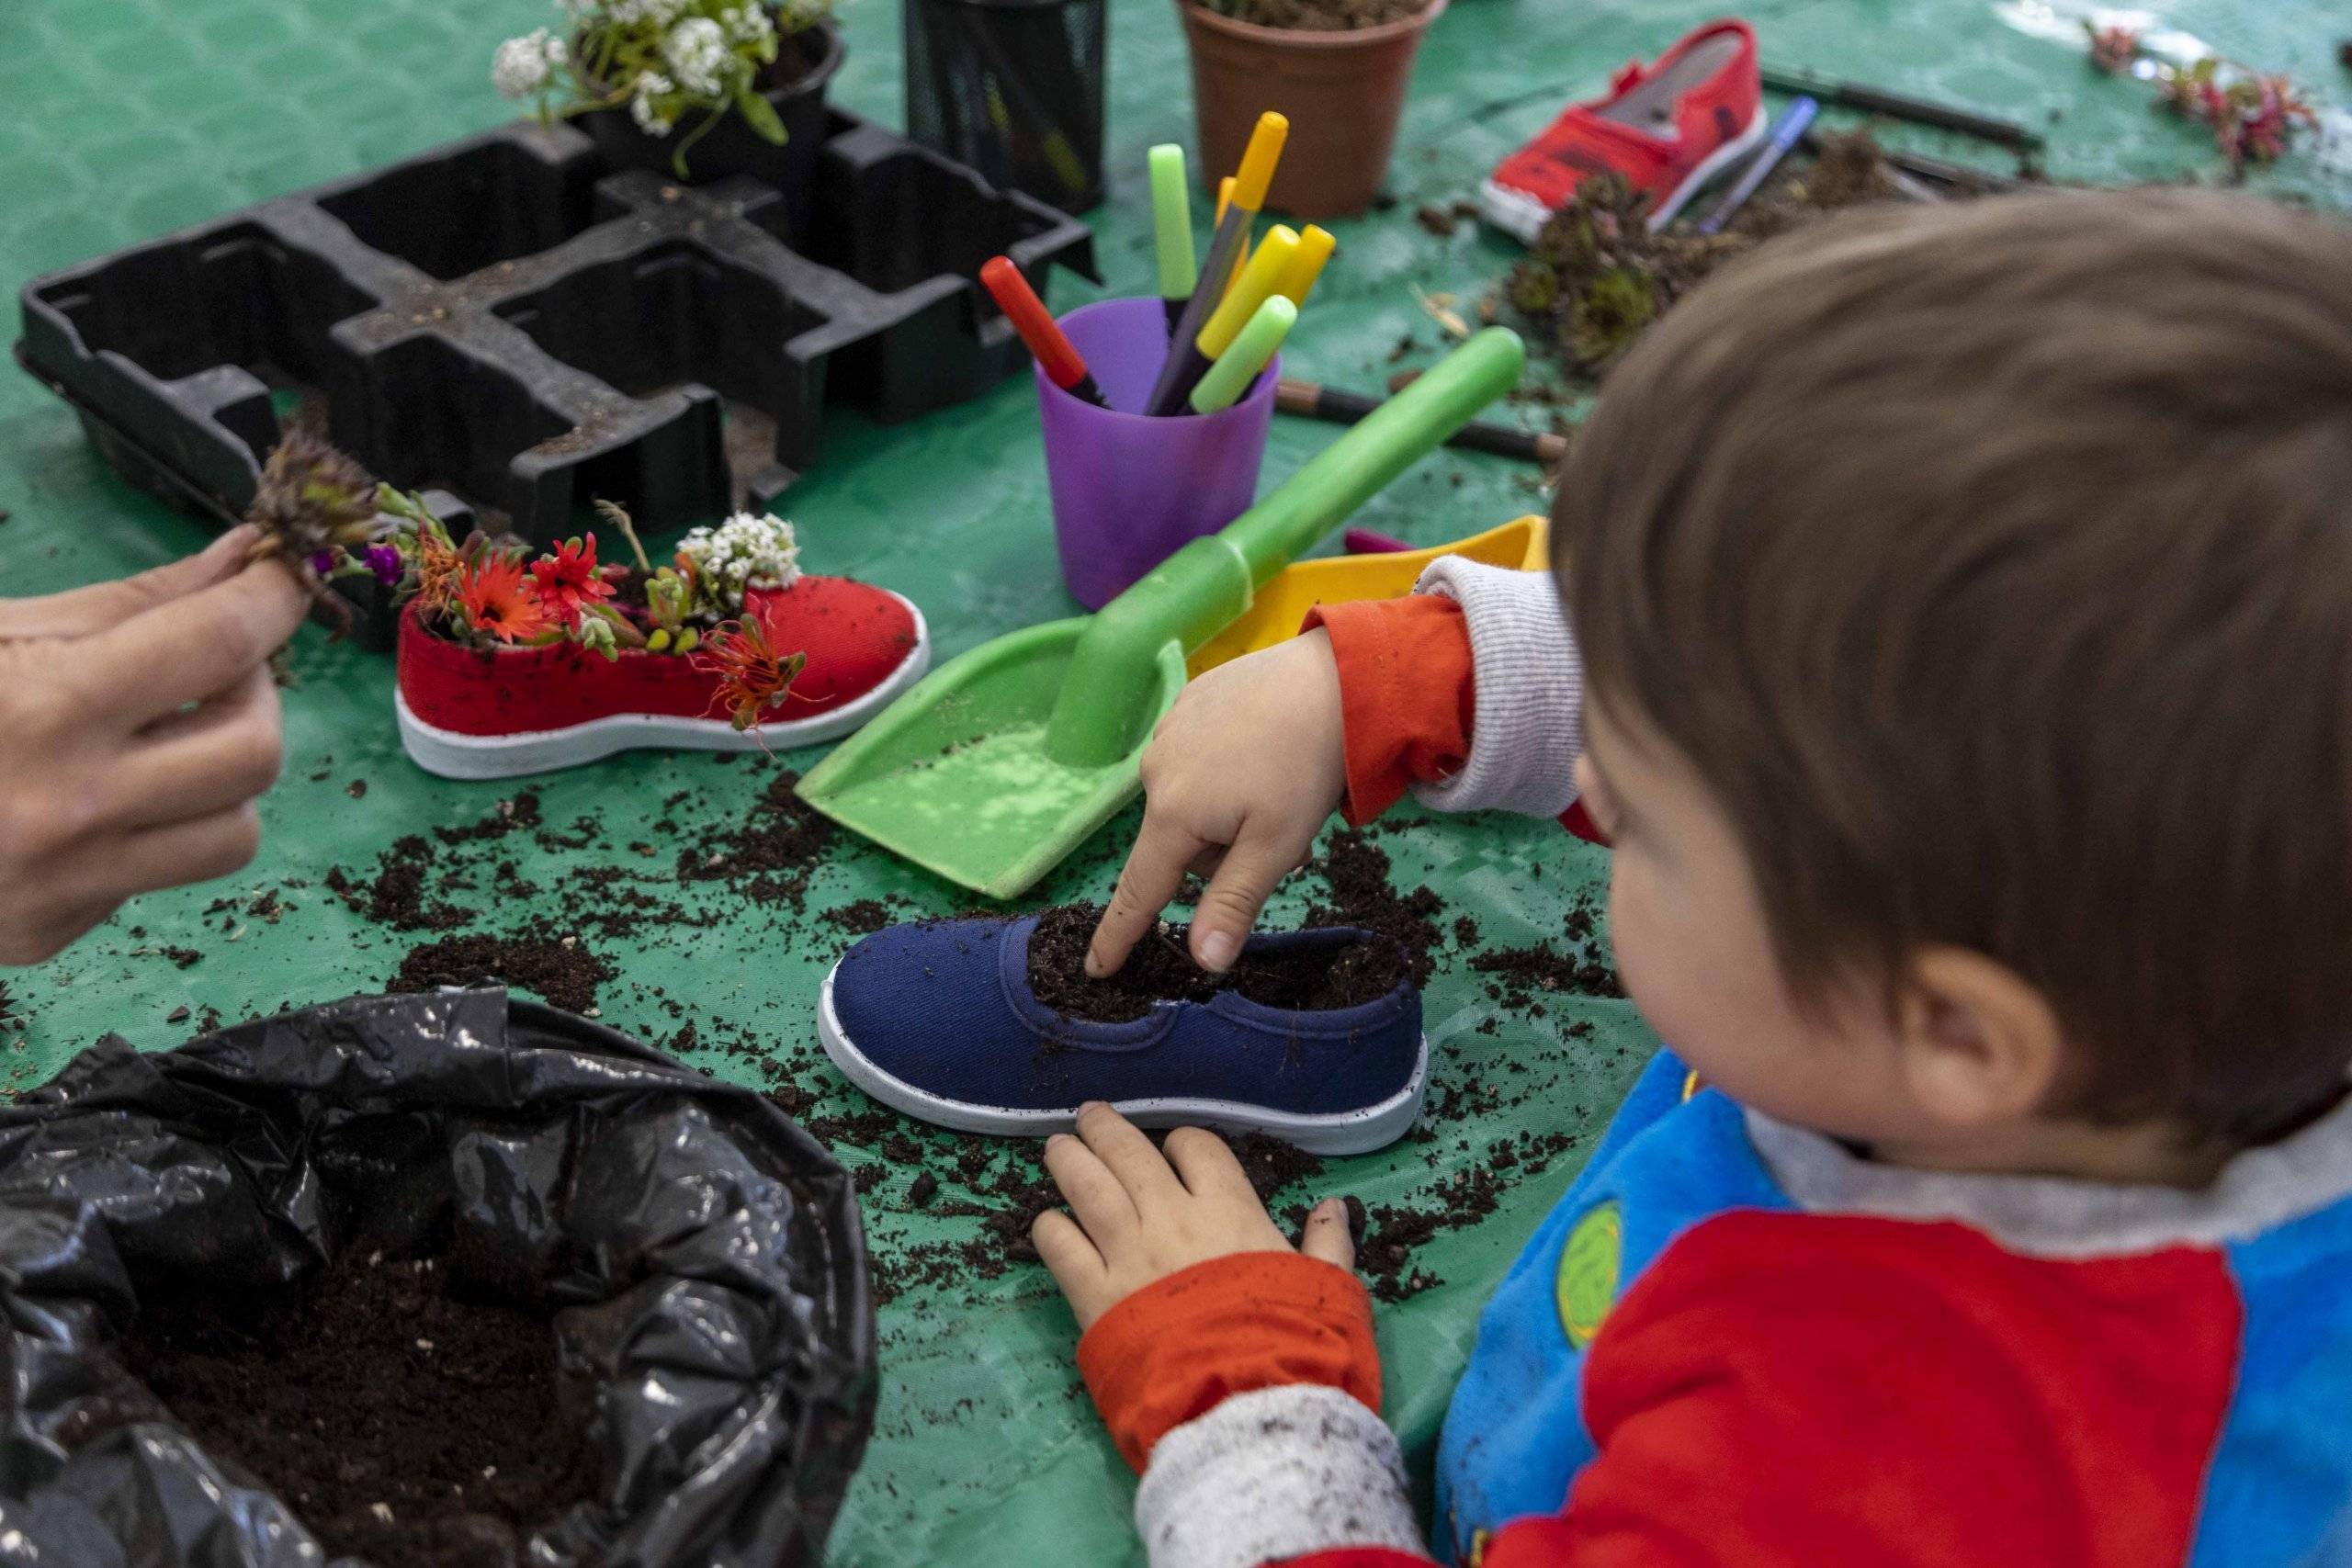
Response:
column 1736, row 1342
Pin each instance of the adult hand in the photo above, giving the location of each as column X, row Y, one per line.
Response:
column 141, row 722
column 1141, row 1216
column 1239, row 776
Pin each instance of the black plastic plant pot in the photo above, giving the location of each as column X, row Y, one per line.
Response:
column 730, row 147
column 512, row 321
column 1014, row 89
column 698, row 1255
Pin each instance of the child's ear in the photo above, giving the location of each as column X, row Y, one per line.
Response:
column 1979, row 1046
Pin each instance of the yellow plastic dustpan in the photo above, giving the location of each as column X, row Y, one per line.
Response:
column 1283, row 602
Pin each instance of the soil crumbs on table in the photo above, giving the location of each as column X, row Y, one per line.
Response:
column 1315, row 978
column 561, row 969
column 401, row 1424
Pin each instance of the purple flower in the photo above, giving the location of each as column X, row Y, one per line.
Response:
column 384, row 561
column 322, row 563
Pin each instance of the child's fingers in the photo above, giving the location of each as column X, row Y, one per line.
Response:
column 1071, row 1259
column 1155, row 870
column 1207, row 1166
column 1246, row 877
column 1093, row 1194
column 1326, row 1234
column 1140, row 1167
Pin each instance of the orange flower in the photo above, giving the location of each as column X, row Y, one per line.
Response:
column 497, row 600
column 567, row 583
column 752, row 679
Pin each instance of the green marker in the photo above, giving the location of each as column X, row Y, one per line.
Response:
column 1240, row 363
column 1171, row 214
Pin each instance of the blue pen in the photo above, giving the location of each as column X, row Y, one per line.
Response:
column 1785, row 132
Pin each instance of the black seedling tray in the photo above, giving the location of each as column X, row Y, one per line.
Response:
column 504, row 319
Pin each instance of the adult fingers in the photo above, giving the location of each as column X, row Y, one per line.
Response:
column 193, row 646
column 1207, row 1166
column 170, row 855
column 1155, row 870
column 1245, row 879
column 1074, row 1263
column 1120, row 1145
column 29, row 934
column 1328, row 1236
column 1093, row 1194
column 81, row 611
column 192, row 764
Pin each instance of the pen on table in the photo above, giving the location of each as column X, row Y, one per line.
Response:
column 1919, row 111
column 1784, row 136
column 1337, row 407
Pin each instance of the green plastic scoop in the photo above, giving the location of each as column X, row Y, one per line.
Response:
column 1004, row 759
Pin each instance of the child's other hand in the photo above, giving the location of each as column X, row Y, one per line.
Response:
column 1142, row 1217
column 1239, row 776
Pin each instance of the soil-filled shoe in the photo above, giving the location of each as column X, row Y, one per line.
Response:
column 472, row 713
column 1667, row 127
column 945, row 1021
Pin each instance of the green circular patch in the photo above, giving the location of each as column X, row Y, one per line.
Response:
column 1589, row 1265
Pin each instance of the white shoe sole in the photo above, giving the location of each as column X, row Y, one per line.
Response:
column 1521, row 216
column 456, row 756
column 1347, row 1133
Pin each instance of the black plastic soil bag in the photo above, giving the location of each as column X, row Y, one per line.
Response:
column 714, row 1326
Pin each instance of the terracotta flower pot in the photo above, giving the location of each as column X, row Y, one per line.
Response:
column 1343, row 92
column 731, row 147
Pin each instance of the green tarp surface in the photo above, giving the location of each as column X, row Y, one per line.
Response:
column 131, row 118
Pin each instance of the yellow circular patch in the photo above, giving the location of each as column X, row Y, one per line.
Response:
column 1588, row 1264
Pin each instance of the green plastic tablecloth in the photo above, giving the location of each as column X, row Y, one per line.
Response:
column 131, row 118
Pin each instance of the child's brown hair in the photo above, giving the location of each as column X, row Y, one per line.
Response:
column 1992, row 564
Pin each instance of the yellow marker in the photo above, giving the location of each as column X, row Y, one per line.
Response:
column 1315, row 248
column 1254, row 287
column 1257, row 162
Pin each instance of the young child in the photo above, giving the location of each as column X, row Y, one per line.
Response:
column 1964, row 596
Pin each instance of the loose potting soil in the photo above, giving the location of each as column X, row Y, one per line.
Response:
column 403, row 1424
column 1162, row 968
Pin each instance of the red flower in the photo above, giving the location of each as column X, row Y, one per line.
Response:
column 2113, row 49
column 497, row 600
column 752, row 679
column 567, row 582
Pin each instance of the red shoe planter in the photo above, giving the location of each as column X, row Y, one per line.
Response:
column 1669, row 128
column 474, row 713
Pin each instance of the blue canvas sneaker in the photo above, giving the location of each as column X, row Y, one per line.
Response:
column 939, row 1019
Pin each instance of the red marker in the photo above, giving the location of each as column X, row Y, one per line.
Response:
column 1027, row 313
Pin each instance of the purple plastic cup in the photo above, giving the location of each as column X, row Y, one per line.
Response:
column 1129, row 491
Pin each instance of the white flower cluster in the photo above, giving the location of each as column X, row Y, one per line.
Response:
column 650, row 117
column 660, row 13
column 697, row 50
column 522, row 66
column 747, row 23
column 743, row 552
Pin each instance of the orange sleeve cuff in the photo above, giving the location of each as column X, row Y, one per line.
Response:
column 1406, row 693
column 1248, row 1320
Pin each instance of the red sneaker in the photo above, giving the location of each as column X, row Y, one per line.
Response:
column 478, row 713
column 1668, row 129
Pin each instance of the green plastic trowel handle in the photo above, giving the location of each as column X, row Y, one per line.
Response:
column 1108, row 700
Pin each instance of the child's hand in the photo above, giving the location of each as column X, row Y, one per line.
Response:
column 1238, row 778
column 1141, row 1219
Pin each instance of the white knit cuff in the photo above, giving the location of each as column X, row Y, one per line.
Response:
column 1274, row 1474
column 1526, row 726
